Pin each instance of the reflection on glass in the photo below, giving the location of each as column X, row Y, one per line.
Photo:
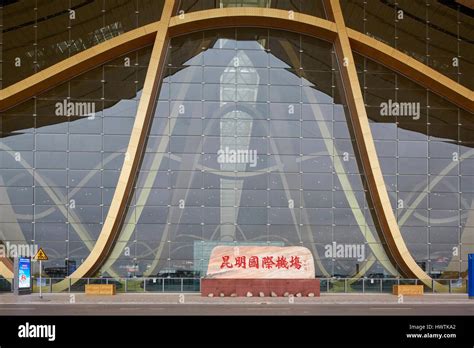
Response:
column 424, row 165
column 60, row 157
column 235, row 158
column 312, row 7
column 434, row 32
column 39, row 35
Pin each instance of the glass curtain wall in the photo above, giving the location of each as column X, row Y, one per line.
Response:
column 39, row 33
column 437, row 33
column 425, row 147
column 310, row 7
column 250, row 144
column 61, row 153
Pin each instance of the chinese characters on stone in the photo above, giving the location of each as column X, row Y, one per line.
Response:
column 265, row 262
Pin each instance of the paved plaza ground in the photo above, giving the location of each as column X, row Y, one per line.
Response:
column 194, row 304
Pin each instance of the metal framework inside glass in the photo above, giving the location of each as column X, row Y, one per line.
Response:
column 249, row 140
column 250, row 143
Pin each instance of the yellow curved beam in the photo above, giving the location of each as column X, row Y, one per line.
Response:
column 6, row 269
column 231, row 17
column 135, row 149
column 76, row 65
column 143, row 194
column 57, row 198
column 396, row 246
column 376, row 248
column 413, row 69
column 326, row 29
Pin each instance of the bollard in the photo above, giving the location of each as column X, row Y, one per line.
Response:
column 470, row 276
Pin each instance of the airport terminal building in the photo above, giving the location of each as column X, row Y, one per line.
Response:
column 136, row 135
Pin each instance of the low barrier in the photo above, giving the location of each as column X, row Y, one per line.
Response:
column 193, row 285
column 408, row 290
column 100, row 289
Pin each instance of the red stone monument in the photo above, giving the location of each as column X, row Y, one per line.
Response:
column 260, row 271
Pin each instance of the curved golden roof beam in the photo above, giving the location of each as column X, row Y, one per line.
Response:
column 231, row 17
column 136, row 146
column 6, row 269
column 134, row 150
column 325, row 29
column 396, row 247
column 413, row 69
column 341, row 174
column 77, row 64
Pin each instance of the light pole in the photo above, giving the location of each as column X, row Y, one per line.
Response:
column 41, row 283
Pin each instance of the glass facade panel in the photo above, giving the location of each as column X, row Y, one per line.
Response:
column 60, row 158
column 39, row 33
column 426, row 169
column 233, row 160
column 437, row 33
column 310, row 7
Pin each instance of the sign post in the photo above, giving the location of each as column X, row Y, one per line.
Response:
column 470, row 276
column 41, row 256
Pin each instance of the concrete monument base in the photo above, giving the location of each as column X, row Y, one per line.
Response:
column 242, row 287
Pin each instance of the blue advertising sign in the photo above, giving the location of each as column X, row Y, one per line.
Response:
column 24, row 273
column 70, row 267
column 470, row 276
